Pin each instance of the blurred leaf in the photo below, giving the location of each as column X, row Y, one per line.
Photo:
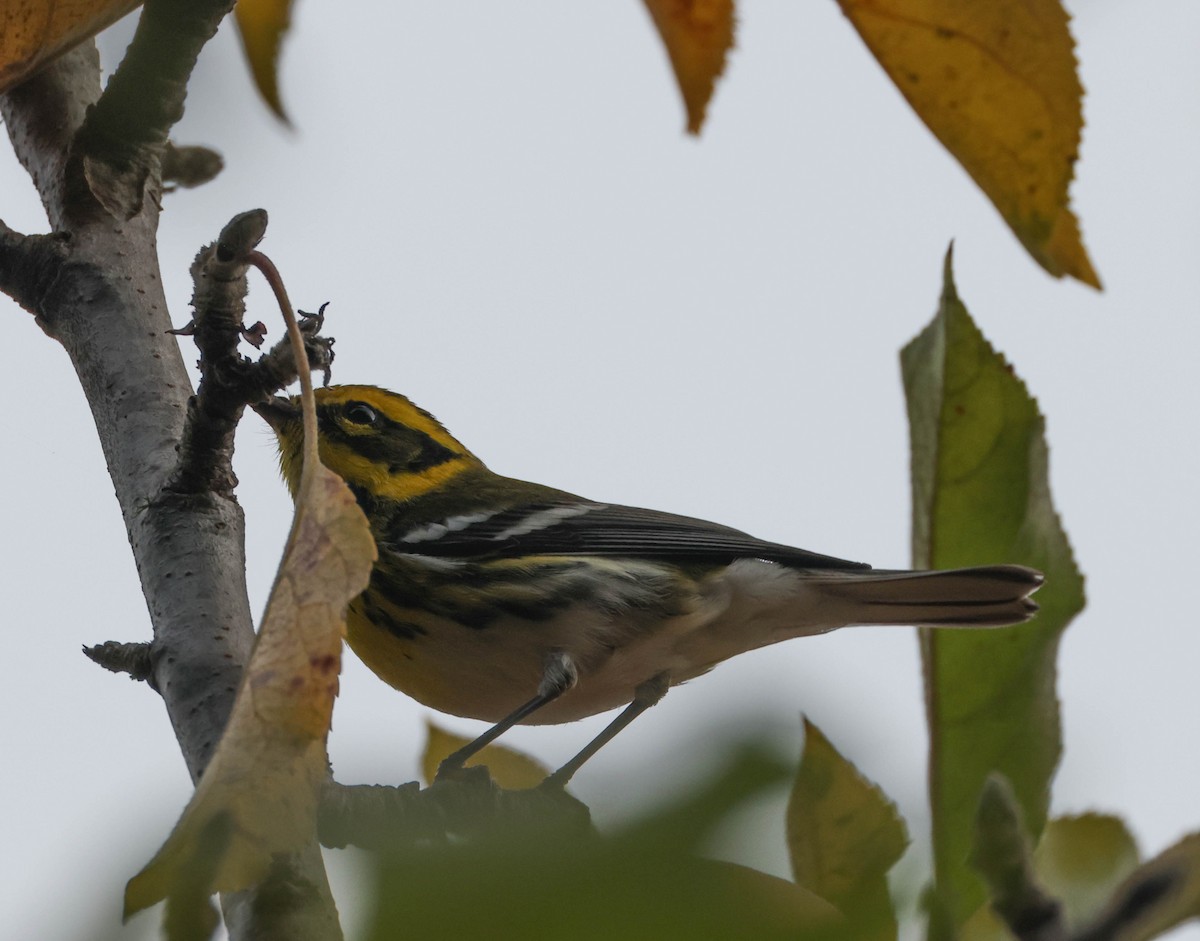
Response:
column 644, row 882
column 508, row 768
column 1158, row 896
column 843, row 836
column 983, row 925
column 258, row 795
column 1082, row 860
column 1001, row 854
column 996, row 82
column 697, row 34
column 261, row 25
column 981, row 495
column 33, row 32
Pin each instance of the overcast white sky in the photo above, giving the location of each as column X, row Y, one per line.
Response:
column 512, row 229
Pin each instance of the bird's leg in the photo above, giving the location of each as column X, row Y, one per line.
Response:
column 646, row 695
column 558, row 676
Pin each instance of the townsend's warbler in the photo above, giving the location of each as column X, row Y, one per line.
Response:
column 508, row 601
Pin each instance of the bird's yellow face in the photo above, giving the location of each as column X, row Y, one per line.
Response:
column 377, row 441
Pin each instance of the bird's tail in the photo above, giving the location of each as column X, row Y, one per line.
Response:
column 985, row 596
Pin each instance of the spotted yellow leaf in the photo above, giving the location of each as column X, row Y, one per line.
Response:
column 997, row 84
column 698, row 34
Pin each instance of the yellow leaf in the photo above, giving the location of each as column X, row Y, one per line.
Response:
column 258, row 795
column 32, row 32
column 996, row 83
column 509, row 769
column 261, row 25
column 697, row 34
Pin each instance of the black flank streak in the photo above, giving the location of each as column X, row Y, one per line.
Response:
column 405, row 630
column 477, row 618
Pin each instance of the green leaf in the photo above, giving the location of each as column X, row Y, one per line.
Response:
column 644, row 882
column 843, row 837
column 981, row 495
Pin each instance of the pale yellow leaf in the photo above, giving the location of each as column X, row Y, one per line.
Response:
column 32, row 32
column 996, row 82
column 509, row 769
column 260, row 790
column 698, row 34
column 1082, row 859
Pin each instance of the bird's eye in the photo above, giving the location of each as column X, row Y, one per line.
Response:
column 360, row 413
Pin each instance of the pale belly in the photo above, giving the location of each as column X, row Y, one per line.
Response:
column 486, row 673
column 487, row 670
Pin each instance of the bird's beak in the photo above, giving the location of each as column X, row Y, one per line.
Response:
column 277, row 411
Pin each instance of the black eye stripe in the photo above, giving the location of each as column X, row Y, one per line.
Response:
column 401, row 448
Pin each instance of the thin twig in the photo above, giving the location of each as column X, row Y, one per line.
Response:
column 380, row 817
column 29, row 266
column 1002, row 856
column 189, row 166
column 229, row 381
column 133, row 658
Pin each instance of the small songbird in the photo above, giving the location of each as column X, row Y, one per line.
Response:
column 512, row 602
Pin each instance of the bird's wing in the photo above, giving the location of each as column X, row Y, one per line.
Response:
column 600, row 529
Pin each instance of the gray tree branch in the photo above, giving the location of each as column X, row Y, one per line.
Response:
column 228, row 380
column 122, row 139
column 29, row 264
column 391, row 819
column 133, row 659
column 106, row 306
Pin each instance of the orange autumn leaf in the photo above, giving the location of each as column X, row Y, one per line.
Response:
column 258, row 795
column 697, row 34
column 996, row 83
column 33, row 32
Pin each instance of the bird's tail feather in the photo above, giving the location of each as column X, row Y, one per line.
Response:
column 984, row 596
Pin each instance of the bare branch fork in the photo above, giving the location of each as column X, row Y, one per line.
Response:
column 94, row 286
column 229, row 381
